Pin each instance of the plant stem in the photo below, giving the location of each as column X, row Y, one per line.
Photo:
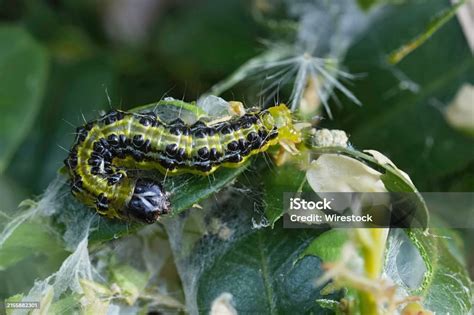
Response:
column 372, row 244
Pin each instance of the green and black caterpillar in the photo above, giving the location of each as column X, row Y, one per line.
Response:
column 108, row 150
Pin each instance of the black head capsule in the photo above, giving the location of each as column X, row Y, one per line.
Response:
column 149, row 201
column 89, row 126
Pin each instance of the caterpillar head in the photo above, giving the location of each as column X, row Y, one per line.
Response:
column 149, row 201
column 282, row 119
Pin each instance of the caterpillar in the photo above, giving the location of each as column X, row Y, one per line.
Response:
column 107, row 151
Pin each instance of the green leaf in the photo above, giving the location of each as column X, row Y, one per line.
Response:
column 189, row 190
column 45, row 302
column 74, row 91
column 447, row 287
column 131, row 282
column 328, row 246
column 277, row 181
column 264, row 274
column 30, row 240
column 23, row 72
column 32, row 251
column 395, row 183
column 402, row 112
column 11, row 194
column 198, row 40
column 65, row 305
column 441, row 19
column 15, row 298
column 367, row 4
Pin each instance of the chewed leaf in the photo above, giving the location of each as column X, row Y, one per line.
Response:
column 393, row 180
column 339, row 173
column 438, row 277
column 169, row 109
